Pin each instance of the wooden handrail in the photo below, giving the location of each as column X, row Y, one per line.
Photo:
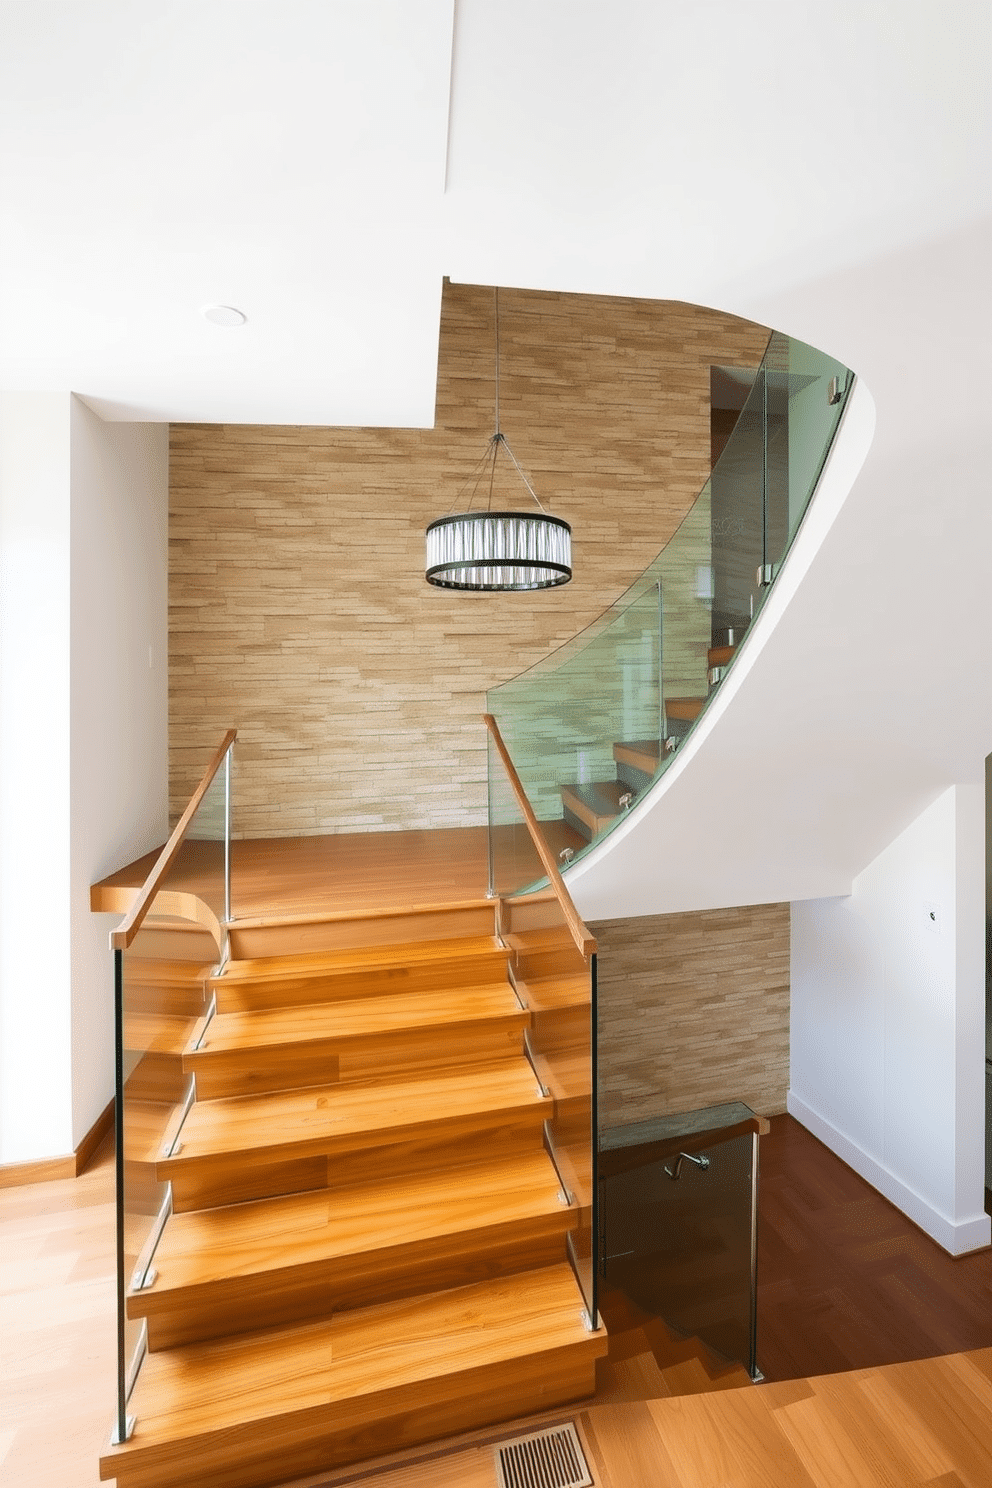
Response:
column 122, row 937
column 585, row 942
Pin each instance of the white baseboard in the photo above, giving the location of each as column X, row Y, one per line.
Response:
column 957, row 1237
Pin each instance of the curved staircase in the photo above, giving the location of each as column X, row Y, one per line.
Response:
column 590, row 808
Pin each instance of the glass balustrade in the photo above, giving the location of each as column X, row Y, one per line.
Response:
column 679, row 1212
column 553, row 967
column 591, row 726
column 164, row 954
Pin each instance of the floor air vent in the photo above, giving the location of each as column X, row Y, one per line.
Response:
column 545, row 1459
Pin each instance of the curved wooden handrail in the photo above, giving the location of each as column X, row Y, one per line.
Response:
column 585, row 942
column 122, row 937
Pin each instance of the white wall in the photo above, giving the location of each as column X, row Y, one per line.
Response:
column 118, row 705
column 35, row 1034
column 888, row 1020
column 83, row 772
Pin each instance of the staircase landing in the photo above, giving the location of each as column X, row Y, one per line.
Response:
column 346, row 873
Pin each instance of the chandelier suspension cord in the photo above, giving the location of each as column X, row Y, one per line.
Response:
column 497, row 438
column 521, row 474
column 497, row 434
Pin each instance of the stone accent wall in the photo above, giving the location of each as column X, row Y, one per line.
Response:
column 693, row 1011
column 298, row 609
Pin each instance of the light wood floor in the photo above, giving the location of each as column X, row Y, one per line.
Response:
column 919, row 1425
column 57, row 1337
column 905, row 1425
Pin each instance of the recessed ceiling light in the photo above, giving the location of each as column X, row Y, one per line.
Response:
column 224, row 315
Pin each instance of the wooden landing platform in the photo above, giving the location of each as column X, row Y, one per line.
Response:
column 368, row 872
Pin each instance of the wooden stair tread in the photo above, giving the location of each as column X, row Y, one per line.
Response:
column 344, row 1118
column 189, row 1394
column 158, row 971
column 547, row 938
column 687, row 708
column 719, row 655
column 601, row 795
column 643, row 754
column 595, row 804
column 239, row 1240
column 355, row 1017
column 689, row 1377
column 547, row 994
column 318, row 963
column 145, row 1127
column 567, row 1075
column 157, row 1033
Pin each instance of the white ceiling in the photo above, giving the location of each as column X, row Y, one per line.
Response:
column 323, row 163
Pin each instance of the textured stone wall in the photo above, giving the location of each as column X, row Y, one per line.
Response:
column 693, row 1011
column 298, row 609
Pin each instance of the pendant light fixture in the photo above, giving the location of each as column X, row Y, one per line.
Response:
column 498, row 550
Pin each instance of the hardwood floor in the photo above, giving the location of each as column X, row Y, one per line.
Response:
column 57, row 1308
column 844, row 1279
column 343, row 873
column 918, row 1425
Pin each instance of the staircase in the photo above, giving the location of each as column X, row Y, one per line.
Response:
column 367, row 1248
column 648, row 1360
column 589, row 808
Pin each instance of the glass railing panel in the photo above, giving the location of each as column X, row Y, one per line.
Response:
column 678, row 1210
column 642, row 674
column 513, row 857
column 162, row 999
column 553, row 967
column 737, row 504
column 684, row 573
column 560, row 725
column 813, row 388
column 205, row 857
column 558, row 984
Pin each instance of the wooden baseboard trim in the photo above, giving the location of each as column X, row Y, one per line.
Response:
column 86, row 1150
column 47, row 1170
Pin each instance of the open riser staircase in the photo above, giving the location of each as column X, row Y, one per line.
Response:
column 369, row 1240
column 590, row 807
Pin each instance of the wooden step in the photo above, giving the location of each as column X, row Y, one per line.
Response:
column 306, row 1255
column 629, row 1378
column 282, row 1403
column 154, row 1045
column 686, row 1378
column 592, row 807
column 307, row 934
column 545, row 953
column 559, row 1008
column 325, row 976
column 719, row 655
column 258, row 1146
column 640, row 755
column 367, row 1038
column 175, row 989
column 685, row 1364
column 685, row 709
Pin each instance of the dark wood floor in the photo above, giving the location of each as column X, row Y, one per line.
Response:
column 845, row 1281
